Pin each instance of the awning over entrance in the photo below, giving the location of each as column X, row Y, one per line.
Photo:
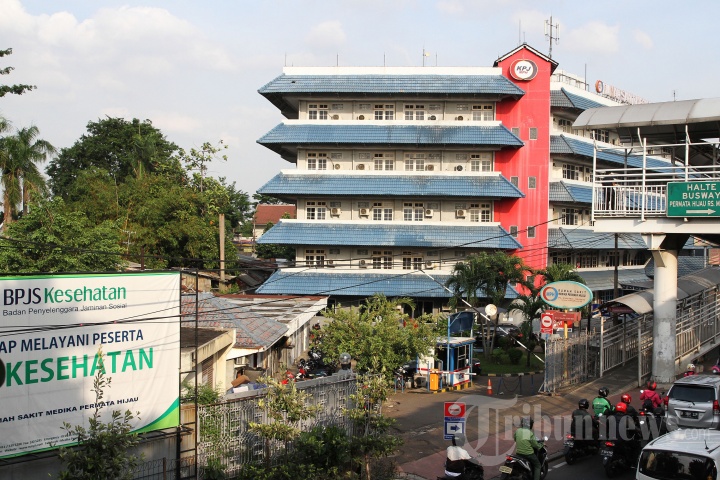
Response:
column 642, row 302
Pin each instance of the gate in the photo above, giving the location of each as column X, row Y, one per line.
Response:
column 569, row 361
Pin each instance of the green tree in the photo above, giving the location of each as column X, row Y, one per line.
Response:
column 17, row 89
column 19, row 161
column 119, row 147
column 378, row 335
column 489, row 275
column 274, row 250
column 530, row 306
column 266, row 199
column 104, row 449
column 51, row 238
column 558, row 272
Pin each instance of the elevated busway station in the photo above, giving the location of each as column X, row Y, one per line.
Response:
column 667, row 189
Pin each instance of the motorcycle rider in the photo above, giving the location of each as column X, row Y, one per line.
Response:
column 458, row 460
column 526, row 444
column 601, row 405
column 626, row 432
column 632, row 411
column 581, row 425
column 651, row 394
column 690, row 370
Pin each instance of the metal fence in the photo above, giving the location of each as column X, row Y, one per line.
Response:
column 225, row 426
column 569, row 361
column 166, row 469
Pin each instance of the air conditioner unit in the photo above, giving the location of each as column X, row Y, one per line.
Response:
column 360, row 166
column 241, row 361
column 428, row 212
column 432, row 117
column 430, row 167
column 361, row 117
column 335, row 211
column 363, row 212
column 459, row 213
column 459, row 168
column 331, row 262
column 459, row 117
column 336, row 117
column 336, row 166
column 363, row 263
column 428, row 264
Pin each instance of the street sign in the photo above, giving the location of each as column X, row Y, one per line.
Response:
column 693, row 199
column 546, row 323
column 566, row 294
column 454, row 410
column 453, row 428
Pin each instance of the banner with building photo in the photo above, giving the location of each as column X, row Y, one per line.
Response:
column 58, row 331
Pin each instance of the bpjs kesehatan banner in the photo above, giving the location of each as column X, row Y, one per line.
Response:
column 57, row 332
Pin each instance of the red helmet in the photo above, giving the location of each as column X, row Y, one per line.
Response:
column 652, row 385
column 626, row 398
column 621, row 407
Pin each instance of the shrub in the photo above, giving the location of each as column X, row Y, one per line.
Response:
column 515, row 355
column 504, row 343
column 497, row 355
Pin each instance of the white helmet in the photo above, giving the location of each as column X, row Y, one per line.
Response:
column 691, row 367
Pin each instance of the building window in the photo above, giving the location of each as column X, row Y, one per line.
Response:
column 384, row 161
column 363, row 106
column 382, row 259
column 532, row 182
column 515, row 181
column 560, row 257
column 337, row 106
column 414, row 112
column 515, row 131
column 587, row 260
column 533, row 133
column 462, row 107
column 483, row 113
column 571, row 172
column 381, row 214
column 415, row 162
column 602, row 135
column 317, row 161
column 531, row 232
column 317, row 111
column 413, row 212
column 315, row 210
column 314, row 258
column 384, row 112
column 411, row 262
column 514, row 231
column 480, row 212
column 569, row 216
column 565, row 125
column 481, row 162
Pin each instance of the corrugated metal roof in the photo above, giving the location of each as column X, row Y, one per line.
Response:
column 382, row 234
column 605, row 279
column 570, row 193
column 349, row 134
column 565, row 144
column 581, row 239
column 402, row 184
column 360, row 284
column 663, row 113
column 391, row 84
column 563, row 98
column 253, row 331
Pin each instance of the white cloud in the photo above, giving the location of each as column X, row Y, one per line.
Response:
column 591, row 38
column 326, row 34
column 643, row 39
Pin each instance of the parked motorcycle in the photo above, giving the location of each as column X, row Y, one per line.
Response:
column 472, row 472
column 517, row 468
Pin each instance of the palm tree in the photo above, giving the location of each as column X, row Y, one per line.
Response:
column 558, row 272
column 530, row 306
column 19, row 161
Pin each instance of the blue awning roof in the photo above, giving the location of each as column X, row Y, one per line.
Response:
column 584, row 239
column 287, row 136
column 563, row 144
column 359, row 284
column 570, row 193
column 391, row 84
column 563, row 98
column 379, row 234
column 402, row 184
column 605, row 279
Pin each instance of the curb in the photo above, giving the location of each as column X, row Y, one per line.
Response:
column 522, row 374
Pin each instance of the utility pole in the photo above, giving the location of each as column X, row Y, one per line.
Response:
column 549, row 27
column 222, row 250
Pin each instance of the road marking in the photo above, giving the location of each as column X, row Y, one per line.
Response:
column 560, row 465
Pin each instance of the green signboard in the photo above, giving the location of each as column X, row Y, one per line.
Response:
column 693, row 199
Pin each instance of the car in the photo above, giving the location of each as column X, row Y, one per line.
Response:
column 692, row 402
column 682, row 454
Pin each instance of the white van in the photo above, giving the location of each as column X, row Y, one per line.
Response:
column 686, row 454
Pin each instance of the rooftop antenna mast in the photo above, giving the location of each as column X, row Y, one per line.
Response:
column 549, row 27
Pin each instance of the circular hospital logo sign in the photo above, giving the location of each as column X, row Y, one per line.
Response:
column 566, row 294
column 523, row 70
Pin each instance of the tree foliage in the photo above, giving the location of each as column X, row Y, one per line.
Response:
column 274, row 250
column 103, row 449
column 17, row 89
column 50, row 238
column 378, row 336
column 558, row 272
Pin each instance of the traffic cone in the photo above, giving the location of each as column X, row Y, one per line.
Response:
column 489, row 390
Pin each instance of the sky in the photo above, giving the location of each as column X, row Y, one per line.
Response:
column 193, row 67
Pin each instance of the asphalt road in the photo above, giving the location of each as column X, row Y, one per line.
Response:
column 587, row 468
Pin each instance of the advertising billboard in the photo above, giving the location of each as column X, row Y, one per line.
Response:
column 58, row 331
column 566, row 294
